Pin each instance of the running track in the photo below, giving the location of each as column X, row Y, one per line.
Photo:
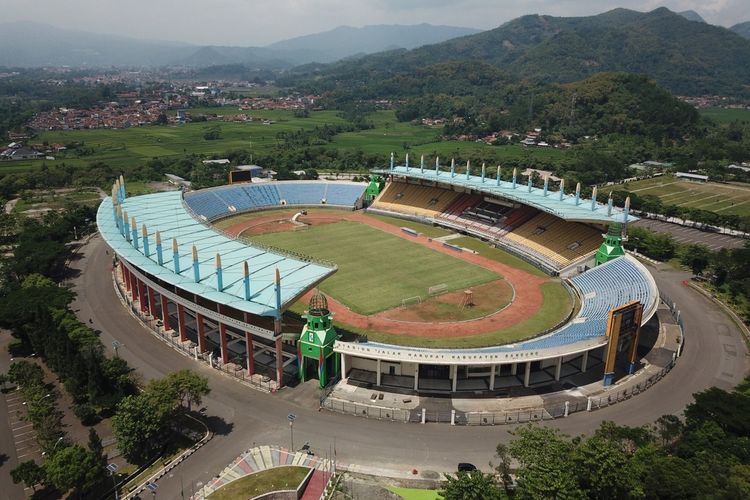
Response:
column 526, row 303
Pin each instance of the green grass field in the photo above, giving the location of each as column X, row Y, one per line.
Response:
column 278, row 478
column 377, row 270
column 126, row 147
column 721, row 115
column 556, row 307
column 414, row 493
column 712, row 196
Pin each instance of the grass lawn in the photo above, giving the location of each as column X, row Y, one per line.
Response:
column 711, row 196
column 56, row 200
column 377, row 270
column 497, row 254
column 278, row 478
column 414, row 493
column 556, row 307
column 427, row 230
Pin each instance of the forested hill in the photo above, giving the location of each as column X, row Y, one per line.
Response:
column 684, row 56
column 742, row 29
column 480, row 103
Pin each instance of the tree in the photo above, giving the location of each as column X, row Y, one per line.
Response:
column 474, row 485
column 696, row 257
column 28, row 473
column 140, row 426
column 189, row 388
column 73, row 468
column 605, row 470
column 97, row 457
column 669, row 428
column 546, row 466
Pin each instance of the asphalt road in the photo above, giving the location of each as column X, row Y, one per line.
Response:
column 714, row 354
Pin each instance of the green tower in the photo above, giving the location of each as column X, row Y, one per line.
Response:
column 612, row 246
column 373, row 188
column 315, row 354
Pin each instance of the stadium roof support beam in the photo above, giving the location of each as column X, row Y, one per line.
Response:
column 567, row 207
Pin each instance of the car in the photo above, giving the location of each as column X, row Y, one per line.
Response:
column 466, row 467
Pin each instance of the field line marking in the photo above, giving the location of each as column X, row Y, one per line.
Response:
column 698, row 200
column 731, row 206
column 653, row 187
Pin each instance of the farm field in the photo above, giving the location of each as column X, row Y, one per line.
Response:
column 390, row 135
column 714, row 197
column 377, row 270
column 127, row 147
column 722, row 115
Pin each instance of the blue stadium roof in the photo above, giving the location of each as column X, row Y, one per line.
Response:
column 566, row 208
column 166, row 213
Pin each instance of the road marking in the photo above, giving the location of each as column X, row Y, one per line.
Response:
column 24, row 440
column 21, row 434
column 22, row 427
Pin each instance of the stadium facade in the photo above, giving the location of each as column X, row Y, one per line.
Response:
column 227, row 299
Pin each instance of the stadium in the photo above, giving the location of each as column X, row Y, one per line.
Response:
column 424, row 280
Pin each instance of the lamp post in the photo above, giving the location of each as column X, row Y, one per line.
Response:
column 291, row 418
column 44, row 453
column 112, row 468
column 116, row 345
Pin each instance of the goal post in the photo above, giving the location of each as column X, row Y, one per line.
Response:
column 410, row 301
column 437, row 289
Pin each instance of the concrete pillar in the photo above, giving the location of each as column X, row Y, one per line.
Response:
column 558, row 368
column 249, row 354
column 416, row 376
column 424, row 415
column 125, row 276
column 279, row 363
column 165, row 313
column 584, row 361
column 141, row 297
column 377, row 375
column 453, row 417
column 514, row 369
column 223, row 343
column 343, row 366
column 200, row 327
column 454, row 385
column 527, row 374
column 181, row 322
column 151, row 302
column 133, row 286
column 492, row 377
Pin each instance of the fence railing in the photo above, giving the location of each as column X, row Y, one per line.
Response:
column 548, row 412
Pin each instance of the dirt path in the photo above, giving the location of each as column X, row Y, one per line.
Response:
column 527, row 301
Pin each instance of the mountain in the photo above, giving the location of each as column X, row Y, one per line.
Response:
column 346, row 41
column 684, row 56
column 742, row 29
column 691, row 15
column 28, row 44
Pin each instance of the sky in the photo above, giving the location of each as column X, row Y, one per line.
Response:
column 260, row 22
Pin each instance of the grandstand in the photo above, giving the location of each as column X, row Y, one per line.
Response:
column 426, row 201
column 552, row 229
column 215, row 203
